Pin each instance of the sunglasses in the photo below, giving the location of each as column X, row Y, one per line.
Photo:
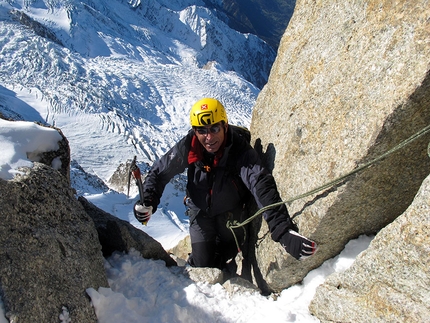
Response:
column 204, row 131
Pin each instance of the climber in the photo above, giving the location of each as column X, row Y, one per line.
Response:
column 223, row 169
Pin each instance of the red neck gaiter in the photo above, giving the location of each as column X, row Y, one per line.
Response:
column 196, row 151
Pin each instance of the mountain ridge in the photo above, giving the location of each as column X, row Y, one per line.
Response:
column 127, row 71
column 266, row 19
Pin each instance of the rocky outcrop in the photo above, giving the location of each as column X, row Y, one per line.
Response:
column 118, row 235
column 350, row 82
column 388, row 282
column 233, row 284
column 37, row 27
column 52, row 245
column 49, row 249
column 182, row 249
column 58, row 159
column 120, row 178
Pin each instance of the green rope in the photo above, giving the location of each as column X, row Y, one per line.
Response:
column 420, row 133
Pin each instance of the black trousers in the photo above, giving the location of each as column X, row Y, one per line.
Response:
column 212, row 243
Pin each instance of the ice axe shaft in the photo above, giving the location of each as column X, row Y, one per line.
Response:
column 135, row 172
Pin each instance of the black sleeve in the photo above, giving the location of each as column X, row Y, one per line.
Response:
column 163, row 170
column 263, row 187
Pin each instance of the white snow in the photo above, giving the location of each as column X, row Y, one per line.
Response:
column 143, row 290
column 21, row 144
column 122, row 85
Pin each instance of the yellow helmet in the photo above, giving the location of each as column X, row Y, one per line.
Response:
column 207, row 111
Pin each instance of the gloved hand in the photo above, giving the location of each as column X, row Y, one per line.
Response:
column 142, row 212
column 297, row 245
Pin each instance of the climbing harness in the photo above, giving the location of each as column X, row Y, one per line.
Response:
column 235, row 224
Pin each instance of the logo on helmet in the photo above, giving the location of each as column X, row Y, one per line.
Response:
column 204, row 107
column 206, row 118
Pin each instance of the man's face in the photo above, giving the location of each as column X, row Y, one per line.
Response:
column 211, row 137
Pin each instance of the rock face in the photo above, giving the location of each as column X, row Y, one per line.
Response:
column 350, row 82
column 118, row 235
column 119, row 179
column 390, row 281
column 50, row 253
column 62, row 153
column 38, row 28
column 52, row 245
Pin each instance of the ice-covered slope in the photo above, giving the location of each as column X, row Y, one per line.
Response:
column 121, row 76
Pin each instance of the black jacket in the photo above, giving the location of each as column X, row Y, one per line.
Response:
column 224, row 187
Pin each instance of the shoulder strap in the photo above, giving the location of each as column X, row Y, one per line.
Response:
column 242, row 132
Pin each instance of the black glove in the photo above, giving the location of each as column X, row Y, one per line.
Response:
column 297, row 245
column 142, row 212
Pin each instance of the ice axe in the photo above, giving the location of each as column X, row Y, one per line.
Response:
column 135, row 172
column 144, row 213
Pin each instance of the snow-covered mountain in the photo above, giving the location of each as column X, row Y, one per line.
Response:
column 267, row 19
column 123, row 73
column 118, row 78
